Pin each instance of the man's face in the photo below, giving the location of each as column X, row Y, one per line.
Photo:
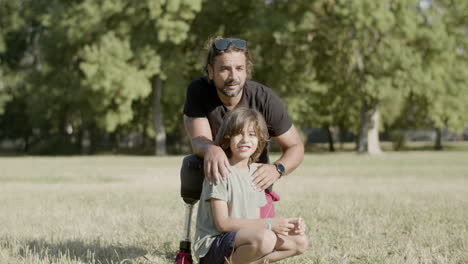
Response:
column 228, row 73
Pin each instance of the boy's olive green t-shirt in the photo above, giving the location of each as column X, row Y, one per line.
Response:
column 243, row 202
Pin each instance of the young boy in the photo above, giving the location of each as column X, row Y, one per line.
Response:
column 228, row 224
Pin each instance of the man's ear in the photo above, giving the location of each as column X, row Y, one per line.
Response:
column 210, row 72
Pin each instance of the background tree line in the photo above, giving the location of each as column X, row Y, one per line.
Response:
column 75, row 74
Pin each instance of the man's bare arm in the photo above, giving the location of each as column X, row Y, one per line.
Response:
column 215, row 160
column 199, row 131
column 292, row 155
column 292, row 149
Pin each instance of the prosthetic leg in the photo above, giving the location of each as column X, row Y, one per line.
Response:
column 191, row 179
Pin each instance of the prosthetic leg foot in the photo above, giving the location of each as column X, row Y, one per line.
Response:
column 184, row 255
column 191, row 178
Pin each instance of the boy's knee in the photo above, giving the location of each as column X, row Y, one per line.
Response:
column 302, row 244
column 265, row 241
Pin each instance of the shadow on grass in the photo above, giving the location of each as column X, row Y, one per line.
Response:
column 78, row 250
column 170, row 256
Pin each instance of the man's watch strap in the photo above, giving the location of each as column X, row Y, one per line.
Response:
column 280, row 168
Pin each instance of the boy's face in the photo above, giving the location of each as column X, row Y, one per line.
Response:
column 244, row 144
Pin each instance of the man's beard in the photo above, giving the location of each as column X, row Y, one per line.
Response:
column 228, row 92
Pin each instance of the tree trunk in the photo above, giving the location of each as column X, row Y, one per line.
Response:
column 331, row 146
column 369, row 132
column 438, row 139
column 341, row 136
column 85, row 143
column 160, row 147
column 115, row 142
column 146, row 139
column 26, row 144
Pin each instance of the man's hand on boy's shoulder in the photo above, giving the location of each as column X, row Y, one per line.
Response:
column 265, row 175
column 215, row 164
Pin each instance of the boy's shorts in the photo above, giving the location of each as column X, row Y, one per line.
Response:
column 221, row 249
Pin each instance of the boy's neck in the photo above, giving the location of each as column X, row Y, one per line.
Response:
column 242, row 165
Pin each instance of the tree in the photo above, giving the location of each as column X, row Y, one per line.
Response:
column 129, row 59
column 367, row 56
column 293, row 62
column 365, row 45
column 19, row 57
column 444, row 46
column 437, row 84
column 97, row 62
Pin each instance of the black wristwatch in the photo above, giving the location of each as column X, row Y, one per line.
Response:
column 280, row 168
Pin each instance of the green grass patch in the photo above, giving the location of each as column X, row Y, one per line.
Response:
column 388, row 146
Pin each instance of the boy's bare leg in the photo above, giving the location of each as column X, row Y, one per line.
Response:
column 252, row 245
column 286, row 246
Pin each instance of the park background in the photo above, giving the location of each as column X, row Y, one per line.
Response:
column 92, row 138
column 84, row 77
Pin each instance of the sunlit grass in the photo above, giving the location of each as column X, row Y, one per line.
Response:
column 406, row 207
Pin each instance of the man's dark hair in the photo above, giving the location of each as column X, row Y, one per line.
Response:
column 213, row 52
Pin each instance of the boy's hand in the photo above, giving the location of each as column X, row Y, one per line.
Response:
column 299, row 226
column 282, row 225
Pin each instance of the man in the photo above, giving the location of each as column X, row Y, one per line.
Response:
column 226, row 86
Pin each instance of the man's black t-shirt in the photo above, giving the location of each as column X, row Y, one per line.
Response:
column 202, row 101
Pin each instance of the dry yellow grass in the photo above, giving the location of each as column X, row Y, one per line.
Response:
column 395, row 208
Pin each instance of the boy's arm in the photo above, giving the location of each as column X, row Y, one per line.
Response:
column 224, row 223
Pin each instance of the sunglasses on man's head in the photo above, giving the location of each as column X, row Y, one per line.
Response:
column 223, row 44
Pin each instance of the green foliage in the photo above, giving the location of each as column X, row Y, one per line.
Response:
column 88, row 65
column 119, row 65
column 367, row 54
column 4, row 96
column 398, row 138
column 443, row 70
column 114, row 81
column 91, row 63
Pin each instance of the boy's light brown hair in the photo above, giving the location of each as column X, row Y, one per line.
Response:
column 233, row 124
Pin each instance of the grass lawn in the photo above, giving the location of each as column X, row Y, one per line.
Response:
column 400, row 207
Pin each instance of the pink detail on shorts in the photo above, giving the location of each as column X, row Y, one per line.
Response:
column 269, row 209
column 183, row 258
